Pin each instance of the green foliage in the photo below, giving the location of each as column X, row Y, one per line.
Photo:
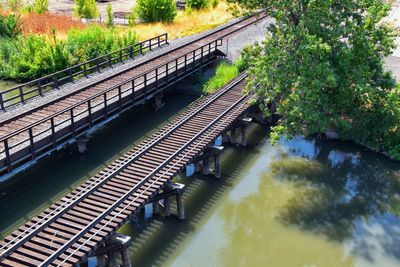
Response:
column 40, row 6
column 86, row 9
column 214, row 3
column 132, row 17
column 10, row 26
column 15, row 5
column 94, row 41
column 322, row 66
column 110, row 16
column 197, row 4
column 156, row 10
column 225, row 72
column 31, row 57
column 248, row 56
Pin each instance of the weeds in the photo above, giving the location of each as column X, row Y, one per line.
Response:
column 225, row 72
column 9, row 26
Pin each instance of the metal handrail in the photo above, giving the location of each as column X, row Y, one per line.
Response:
column 85, row 68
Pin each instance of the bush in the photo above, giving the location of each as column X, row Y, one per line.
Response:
column 214, row 3
column 132, row 17
column 10, row 26
column 225, row 72
column 40, row 6
column 197, row 4
column 86, row 9
column 156, row 10
column 33, row 56
column 94, row 41
column 110, row 16
column 15, row 5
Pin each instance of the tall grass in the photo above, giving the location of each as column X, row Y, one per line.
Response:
column 224, row 74
column 187, row 23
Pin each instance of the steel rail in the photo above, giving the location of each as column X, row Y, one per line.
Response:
column 105, row 213
column 56, row 213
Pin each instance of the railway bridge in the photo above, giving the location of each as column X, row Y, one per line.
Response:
column 84, row 222
column 32, row 133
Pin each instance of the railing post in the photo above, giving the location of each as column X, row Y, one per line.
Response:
column 150, row 45
column 71, row 111
column 55, row 82
column 145, row 87
column 32, row 143
column 176, row 68
column 167, row 72
column 21, row 94
column 194, row 58
column 105, row 104
column 40, row 88
column 71, row 77
column 109, row 60
column 90, row 113
column 7, row 152
column 156, row 78
column 185, row 63
column 133, row 92
column 166, row 38
column 159, row 41
column 141, row 48
column 53, row 132
column 119, row 97
column 1, row 101
column 131, row 51
column 202, row 54
column 120, row 55
column 97, row 65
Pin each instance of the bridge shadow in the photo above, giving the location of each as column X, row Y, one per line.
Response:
column 349, row 197
column 156, row 239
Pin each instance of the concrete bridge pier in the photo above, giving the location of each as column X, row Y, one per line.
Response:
column 206, row 165
column 245, row 122
column 81, row 143
column 217, row 160
column 167, row 207
column 158, row 101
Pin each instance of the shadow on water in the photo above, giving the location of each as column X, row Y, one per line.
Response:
column 156, row 239
column 348, row 195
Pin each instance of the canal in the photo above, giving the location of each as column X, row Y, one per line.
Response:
column 298, row 203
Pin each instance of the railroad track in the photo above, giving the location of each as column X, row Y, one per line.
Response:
column 72, row 228
column 23, row 136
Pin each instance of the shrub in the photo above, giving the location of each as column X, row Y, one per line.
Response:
column 40, row 6
column 214, row 3
column 110, row 16
column 15, row 5
column 9, row 26
column 86, row 9
column 132, row 17
column 156, row 10
column 225, row 72
column 197, row 4
column 94, row 41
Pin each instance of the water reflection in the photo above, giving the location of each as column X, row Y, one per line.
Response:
column 350, row 196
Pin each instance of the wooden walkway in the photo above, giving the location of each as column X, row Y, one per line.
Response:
column 70, row 230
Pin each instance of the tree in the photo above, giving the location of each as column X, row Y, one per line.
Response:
column 156, row 10
column 86, row 9
column 321, row 65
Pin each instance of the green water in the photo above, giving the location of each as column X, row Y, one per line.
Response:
column 300, row 203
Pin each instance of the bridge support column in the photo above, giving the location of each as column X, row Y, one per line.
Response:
column 244, row 127
column 167, row 207
column 81, row 143
column 217, row 166
column 206, row 165
column 126, row 260
column 112, row 260
column 101, row 260
column 233, row 135
column 158, row 101
column 156, row 207
column 180, row 206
